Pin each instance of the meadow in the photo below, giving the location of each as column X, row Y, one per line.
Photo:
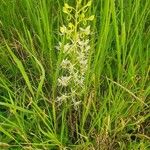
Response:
column 74, row 74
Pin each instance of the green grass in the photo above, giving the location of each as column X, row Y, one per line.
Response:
column 115, row 102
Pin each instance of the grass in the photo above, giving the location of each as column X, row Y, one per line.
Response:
column 115, row 101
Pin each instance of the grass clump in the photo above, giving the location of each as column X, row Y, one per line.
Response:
column 74, row 74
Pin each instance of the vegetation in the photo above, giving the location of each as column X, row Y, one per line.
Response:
column 75, row 74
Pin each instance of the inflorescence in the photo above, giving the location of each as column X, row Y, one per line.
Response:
column 75, row 49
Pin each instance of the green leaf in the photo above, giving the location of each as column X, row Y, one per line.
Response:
column 91, row 18
column 21, row 68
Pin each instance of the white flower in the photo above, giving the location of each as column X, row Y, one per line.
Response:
column 87, row 48
column 83, row 70
column 76, row 103
column 59, row 46
column 80, row 56
column 71, row 69
column 61, row 98
column 81, row 81
column 63, row 30
column 83, row 62
column 78, row 79
column 65, row 64
column 86, row 31
column 67, row 48
column 64, row 80
column 83, row 43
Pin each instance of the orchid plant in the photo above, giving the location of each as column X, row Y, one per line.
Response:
column 74, row 64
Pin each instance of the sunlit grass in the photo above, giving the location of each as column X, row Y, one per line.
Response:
column 113, row 112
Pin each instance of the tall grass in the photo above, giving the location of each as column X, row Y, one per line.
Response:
column 115, row 100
